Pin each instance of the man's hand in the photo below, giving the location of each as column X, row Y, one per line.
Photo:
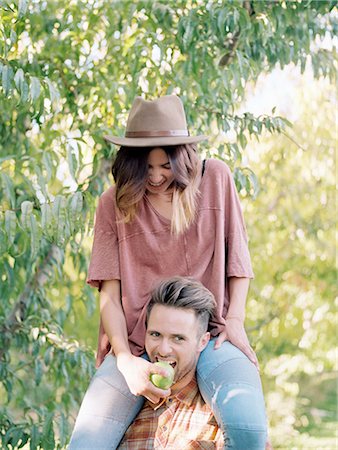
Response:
column 136, row 372
column 235, row 333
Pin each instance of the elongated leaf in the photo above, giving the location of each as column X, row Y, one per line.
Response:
column 48, row 164
column 35, row 89
column 34, row 232
column 10, row 225
column 7, row 77
column 72, row 152
column 42, row 182
column 26, row 211
column 35, row 437
column 59, row 214
column 48, row 440
column 13, row 37
column 22, row 8
column 46, row 216
column 38, row 372
column 75, row 206
column 53, row 91
column 8, row 189
column 19, row 79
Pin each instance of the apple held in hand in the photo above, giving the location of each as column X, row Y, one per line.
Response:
column 159, row 380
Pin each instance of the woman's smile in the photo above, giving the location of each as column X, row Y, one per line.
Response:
column 160, row 175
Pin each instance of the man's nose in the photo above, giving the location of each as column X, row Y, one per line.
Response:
column 164, row 347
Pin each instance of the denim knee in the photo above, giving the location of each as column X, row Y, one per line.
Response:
column 230, row 385
column 107, row 410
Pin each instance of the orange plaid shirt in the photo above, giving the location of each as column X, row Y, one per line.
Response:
column 183, row 422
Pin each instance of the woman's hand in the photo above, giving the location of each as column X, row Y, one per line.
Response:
column 136, row 372
column 235, row 333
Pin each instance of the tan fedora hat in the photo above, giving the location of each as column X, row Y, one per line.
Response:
column 157, row 122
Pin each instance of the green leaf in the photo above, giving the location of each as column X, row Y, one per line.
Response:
column 13, row 36
column 76, row 205
column 59, row 214
column 21, row 85
column 35, row 437
column 54, row 94
column 46, row 216
column 42, row 182
column 38, row 371
column 7, row 77
column 10, row 225
column 48, row 164
column 19, row 79
column 34, row 232
column 72, row 152
column 22, row 8
column 48, row 356
column 26, row 212
column 35, row 89
column 48, row 440
column 8, row 187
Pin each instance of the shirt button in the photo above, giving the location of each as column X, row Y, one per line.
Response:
column 164, row 428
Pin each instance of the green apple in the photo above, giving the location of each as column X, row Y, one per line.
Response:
column 159, row 380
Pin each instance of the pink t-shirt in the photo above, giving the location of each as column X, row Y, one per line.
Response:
column 143, row 252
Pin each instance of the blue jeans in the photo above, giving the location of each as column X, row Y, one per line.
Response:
column 227, row 380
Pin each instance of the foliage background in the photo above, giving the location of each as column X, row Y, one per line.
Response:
column 68, row 74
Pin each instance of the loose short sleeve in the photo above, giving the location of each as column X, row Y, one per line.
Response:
column 104, row 262
column 238, row 257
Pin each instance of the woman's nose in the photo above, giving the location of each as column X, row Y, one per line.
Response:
column 155, row 175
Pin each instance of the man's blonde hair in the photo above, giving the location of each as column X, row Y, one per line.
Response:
column 185, row 293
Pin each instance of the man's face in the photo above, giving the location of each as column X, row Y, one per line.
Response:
column 173, row 336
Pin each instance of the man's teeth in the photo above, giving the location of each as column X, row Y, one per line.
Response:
column 172, row 363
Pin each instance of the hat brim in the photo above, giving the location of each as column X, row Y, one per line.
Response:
column 155, row 141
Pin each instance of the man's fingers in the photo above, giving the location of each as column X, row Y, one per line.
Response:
column 154, row 394
column 158, row 392
column 154, row 368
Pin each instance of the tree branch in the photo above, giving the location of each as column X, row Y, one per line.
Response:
column 232, row 43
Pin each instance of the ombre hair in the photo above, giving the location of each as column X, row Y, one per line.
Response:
column 186, row 293
column 130, row 172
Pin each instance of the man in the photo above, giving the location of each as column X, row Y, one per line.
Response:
column 177, row 324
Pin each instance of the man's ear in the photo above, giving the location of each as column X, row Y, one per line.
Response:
column 204, row 339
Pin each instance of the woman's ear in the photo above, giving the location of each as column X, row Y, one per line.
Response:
column 204, row 339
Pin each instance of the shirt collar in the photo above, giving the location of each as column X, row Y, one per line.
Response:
column 186, row 395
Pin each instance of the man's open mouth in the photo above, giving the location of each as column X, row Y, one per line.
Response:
column 169, row 361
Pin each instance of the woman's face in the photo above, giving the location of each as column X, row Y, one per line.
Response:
column 160, row 176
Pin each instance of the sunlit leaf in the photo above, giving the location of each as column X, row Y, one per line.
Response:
column 26, row 212
column 35, row 89
column 10, row 225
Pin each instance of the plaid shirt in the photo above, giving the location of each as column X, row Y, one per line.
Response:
column 182, row 422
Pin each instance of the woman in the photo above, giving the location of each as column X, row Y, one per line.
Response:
column 168, row 214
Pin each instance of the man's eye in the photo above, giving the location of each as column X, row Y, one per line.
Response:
column 154, row 334
column 179, row 338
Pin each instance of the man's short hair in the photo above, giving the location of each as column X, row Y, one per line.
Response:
column 187, row 293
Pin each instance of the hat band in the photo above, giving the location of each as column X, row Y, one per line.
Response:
column 165, row 133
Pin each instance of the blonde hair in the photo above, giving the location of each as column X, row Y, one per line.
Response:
column 130, row 171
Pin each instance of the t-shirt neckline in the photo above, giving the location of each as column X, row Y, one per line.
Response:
column 152, row 207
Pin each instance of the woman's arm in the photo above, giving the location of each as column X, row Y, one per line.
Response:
column 234, row 330
column 135, row 370
column 238, row 291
